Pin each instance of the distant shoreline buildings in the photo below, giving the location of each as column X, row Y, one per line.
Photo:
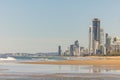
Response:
column 100, row 43
column 96, row 38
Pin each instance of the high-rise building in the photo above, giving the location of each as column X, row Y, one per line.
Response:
column 95, row 47
column 90, row 40
column 97, row 36
column 76, row 43
column 96, row 29
column 101, row 36
column 108, row 43
column 72, row 50
column 59, row 51
column 77, row 48
column 101, row 44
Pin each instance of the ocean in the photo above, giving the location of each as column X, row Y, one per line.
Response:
column 13, row 70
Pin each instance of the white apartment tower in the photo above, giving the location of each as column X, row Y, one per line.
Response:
column 91, row 40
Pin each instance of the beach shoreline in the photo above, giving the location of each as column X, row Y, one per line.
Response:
column 62, row 76
column 96, row 68
column 92, row 61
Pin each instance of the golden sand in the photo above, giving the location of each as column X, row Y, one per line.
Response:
column 79, row 62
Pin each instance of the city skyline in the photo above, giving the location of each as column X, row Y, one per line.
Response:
column 40, row 26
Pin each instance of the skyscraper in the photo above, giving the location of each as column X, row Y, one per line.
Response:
column 101, row 36
column 59, row 51
column 96, row 29
column 108, row 43
column 77, row 48
column 72, row 50
column 98, row 37
column 76, row 43
column 90, row 40
column 101, row 44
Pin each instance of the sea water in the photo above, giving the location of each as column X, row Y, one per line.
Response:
column 13, row 70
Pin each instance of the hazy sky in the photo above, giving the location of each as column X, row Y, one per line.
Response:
column 41, row 25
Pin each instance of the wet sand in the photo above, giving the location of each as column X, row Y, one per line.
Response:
column 60, row 76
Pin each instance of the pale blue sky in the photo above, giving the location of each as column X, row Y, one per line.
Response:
column 41, row 25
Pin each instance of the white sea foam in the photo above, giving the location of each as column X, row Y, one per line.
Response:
column 7, row 59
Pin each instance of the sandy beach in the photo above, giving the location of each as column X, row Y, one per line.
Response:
column 100, row 61
column 87, row 68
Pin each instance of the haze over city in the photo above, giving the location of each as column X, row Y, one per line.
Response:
column 42, row 25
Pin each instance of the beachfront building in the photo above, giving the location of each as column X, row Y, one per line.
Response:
column 95, row 47
column 101, row 36
column 115, row 47
column 67, row 53
column 96, row 29
column 75, row 49
column 96, row 35
column 108, row 43
column 101, row 45
column 59, row 50
column 84, row 51
column 90, row 40
column 72, row 50
column 96, row 38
